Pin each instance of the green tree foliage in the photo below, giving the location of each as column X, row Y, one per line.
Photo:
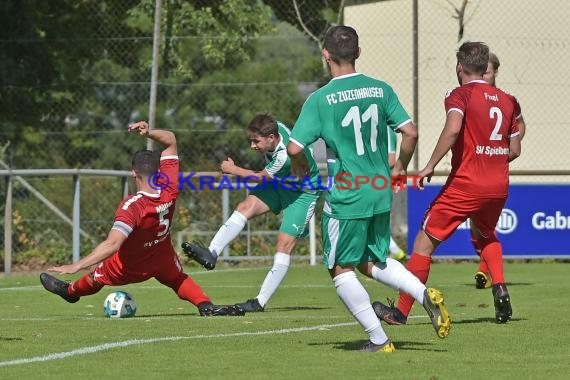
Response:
column 47, row 50
column 203, row 36
column 315, row 16
column 73, row 69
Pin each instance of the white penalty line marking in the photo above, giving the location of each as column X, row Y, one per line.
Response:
column 133, row 342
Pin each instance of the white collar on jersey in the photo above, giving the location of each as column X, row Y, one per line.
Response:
column 345, row 76
column 152, row 195
column 476, row 81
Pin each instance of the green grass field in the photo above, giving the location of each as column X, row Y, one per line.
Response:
column 305, row 332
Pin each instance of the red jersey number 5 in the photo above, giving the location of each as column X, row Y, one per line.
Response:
column 163, row 222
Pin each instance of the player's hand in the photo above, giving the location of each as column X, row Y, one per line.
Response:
column 425, row 174
column 228, row 166
column 141, row 127
column 398, row 180
column 65, row 269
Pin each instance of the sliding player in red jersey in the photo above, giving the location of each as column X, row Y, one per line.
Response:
column 139, row 245
column 481, row 129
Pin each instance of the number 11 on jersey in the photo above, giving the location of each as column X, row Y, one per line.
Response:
column 354, row 117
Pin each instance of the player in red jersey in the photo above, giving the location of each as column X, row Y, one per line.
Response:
column 481, row 129
column 139, row 245
column 483, row 279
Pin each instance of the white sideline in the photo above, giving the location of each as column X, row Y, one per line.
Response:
column 132, row 342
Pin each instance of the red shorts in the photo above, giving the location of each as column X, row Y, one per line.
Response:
column 451, row 208
column 166, row 268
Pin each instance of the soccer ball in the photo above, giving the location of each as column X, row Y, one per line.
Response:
column 120, row 304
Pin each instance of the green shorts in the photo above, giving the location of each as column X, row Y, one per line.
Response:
column 297, row 207
column 355, row 241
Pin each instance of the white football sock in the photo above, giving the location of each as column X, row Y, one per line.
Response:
column 396, row 276
column 393, row 246
column 275, row 276
column 227, row 232
column 357, row 300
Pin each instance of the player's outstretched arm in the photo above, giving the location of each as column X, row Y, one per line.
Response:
column 165, row 138
column 105, row 249
column 407, row 147
column 447, row 138
column 451, row 129
column 228, row 166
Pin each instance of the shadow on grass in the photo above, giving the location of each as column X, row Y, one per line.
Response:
column 297, row 308
column 8, row 339
column 273, row 309
column 485, row 320
column 509, row 284
column 142, row 316
column 400, row 345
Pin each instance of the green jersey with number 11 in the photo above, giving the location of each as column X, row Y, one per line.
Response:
column 351, row 114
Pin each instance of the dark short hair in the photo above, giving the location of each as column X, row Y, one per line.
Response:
column 263, row 124
column 342, row 43
column 145, row 162
column 473, row 57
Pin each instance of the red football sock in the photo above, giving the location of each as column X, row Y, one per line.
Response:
column 191, row 291
column 483, row 267
column 419, row 266
column 85, row 286
column 492, row 254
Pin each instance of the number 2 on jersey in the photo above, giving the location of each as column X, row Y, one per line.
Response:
column 354, row 117
column 496, row 112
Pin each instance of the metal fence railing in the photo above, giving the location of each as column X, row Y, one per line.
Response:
column 72, row 222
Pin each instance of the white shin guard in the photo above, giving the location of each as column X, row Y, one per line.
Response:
column 227, row 232
column 275, row 276
column 357, row 300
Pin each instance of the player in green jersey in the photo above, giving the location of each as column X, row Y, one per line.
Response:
column 277, row 192
column 352, row 114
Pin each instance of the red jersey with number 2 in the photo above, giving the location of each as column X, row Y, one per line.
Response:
column 145, row 218
column 479, row 164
